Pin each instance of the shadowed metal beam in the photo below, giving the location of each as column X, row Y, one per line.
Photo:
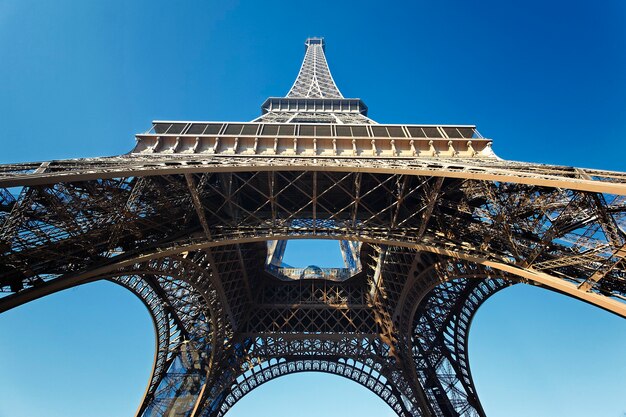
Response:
column 197, row 204
column 538, row 277
column 412, row 167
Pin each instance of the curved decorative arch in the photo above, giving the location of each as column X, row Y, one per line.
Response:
column 365, row 360
column 151, row 218
column 184, row 316
column 568, row 239
column 234, row 237
column 347, row 368
column 438, row 311
column 565, row 239
column 165, row 327
column 610, row 182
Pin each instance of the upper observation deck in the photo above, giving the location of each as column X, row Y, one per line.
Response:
column 313, row 140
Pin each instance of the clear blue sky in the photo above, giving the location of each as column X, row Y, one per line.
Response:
column 545, row 80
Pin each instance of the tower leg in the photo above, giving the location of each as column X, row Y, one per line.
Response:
column 438, row 344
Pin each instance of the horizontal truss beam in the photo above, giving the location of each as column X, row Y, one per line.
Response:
column 555, row 177
column 528, row 274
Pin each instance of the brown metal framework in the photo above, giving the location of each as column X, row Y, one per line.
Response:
column 183, row 222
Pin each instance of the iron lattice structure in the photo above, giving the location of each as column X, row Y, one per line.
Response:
column 193, row 220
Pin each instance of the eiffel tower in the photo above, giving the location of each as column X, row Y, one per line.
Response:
column 195, row 219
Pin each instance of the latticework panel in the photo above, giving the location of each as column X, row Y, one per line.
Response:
column 207, row 230
column 566, row 239
column 362, row 359
column 439, row 335
column 314, row 79
column 183, row 220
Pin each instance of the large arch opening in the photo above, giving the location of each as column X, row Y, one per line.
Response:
column 536, row 352
column 310, row 394
column 88, row 350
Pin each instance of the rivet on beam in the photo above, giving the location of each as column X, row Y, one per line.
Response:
column 42, row 168
column 451, row 149
column 488, row 151
column 433, row 151
column 470, row 149
column 196, row 145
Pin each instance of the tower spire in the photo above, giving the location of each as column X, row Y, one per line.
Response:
column 314, row 79
column 314, row 96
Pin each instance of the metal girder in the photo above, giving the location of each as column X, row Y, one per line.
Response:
column 338, row 216
column 608, row 182
column 351, row 356
column 183, row 306
column 197, row 204
column 607, row 266
column 182, row 221
column 314, row 79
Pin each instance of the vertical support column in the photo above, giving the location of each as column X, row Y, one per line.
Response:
column 439, row 336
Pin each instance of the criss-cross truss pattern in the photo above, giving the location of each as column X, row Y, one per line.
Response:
column 314, row 79
column 431, row 221
column 314, row 96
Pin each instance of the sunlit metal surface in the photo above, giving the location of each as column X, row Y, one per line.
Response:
column 193, row 221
